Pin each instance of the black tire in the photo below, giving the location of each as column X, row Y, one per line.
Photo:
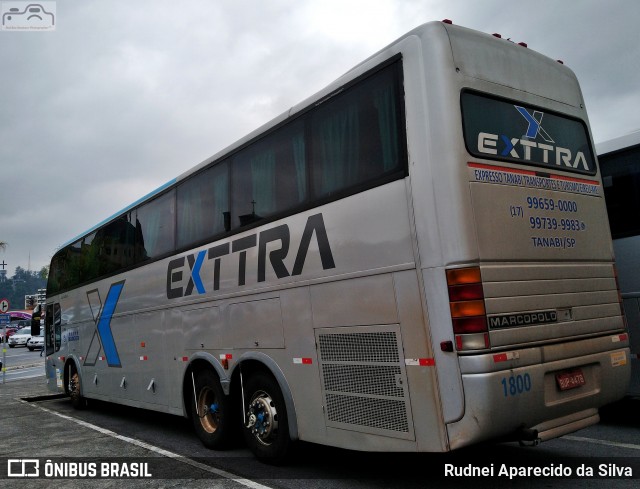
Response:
column 30, row 349
column 12, row 346
column 211, row 411
column 266, row 429
column 75, row 390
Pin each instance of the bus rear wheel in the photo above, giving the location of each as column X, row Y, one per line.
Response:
column 266, row 428
column 211, row 411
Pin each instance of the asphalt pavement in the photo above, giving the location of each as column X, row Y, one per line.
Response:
column 42, row 445
column 40, row 448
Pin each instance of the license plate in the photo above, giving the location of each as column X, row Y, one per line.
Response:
column 570, row 380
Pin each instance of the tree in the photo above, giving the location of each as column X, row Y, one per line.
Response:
column 44, row 273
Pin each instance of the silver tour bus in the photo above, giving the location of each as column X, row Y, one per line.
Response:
column 416, row 258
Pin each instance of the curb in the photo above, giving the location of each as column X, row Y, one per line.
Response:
column 20, row 367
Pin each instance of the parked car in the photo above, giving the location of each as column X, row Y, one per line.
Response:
column 20, row 337
column 36, row 342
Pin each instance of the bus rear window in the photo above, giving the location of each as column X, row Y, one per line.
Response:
column 511, row 131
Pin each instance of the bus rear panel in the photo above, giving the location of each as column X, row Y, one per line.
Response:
column 538, row 330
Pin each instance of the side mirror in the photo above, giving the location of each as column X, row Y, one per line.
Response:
column 35, row 321
column 35, row 327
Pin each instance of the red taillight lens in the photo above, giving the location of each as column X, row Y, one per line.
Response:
column 465, row 292
column 476, row 324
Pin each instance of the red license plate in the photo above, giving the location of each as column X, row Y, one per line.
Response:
column 570, row 380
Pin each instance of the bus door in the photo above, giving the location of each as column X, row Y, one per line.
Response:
column 52, row 339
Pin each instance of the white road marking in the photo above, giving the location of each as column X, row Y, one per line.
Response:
column 160, row 451
column 602, row 442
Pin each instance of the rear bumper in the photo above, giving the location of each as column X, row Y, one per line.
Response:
column 516, row 392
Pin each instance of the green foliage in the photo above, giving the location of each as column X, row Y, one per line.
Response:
column 24, row 282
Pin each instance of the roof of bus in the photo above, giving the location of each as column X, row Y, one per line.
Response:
column 435, row 28
column 621, row 142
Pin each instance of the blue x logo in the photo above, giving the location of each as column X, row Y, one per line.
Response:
column 102, row 315
column 535, row 124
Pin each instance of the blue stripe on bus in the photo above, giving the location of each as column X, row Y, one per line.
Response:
column 104, row 325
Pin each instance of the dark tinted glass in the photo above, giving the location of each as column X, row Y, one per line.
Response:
column 352, row 141
column 511, row 131
column 155, row 227
column 356, row 136
column 270, row 176
column 202, row 202
column 621, row 179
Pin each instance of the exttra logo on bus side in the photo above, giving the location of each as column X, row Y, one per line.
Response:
column 176, row 269
column 526, row 148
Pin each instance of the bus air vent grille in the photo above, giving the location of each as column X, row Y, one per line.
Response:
column 359, row 347
column 364, row 380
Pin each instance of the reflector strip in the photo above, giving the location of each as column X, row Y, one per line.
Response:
column 302, row 361
column 101, row 357
column 619, row 338
column 143, row 358
column 185, row 359
column 422, row 362
column 504, row 357
column 226, row 356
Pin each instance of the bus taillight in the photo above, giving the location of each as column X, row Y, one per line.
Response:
column 468, row 314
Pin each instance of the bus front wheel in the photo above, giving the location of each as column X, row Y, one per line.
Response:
column 77, row 401
column 266, row 428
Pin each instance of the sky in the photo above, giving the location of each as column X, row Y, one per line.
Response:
column 124, row 96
